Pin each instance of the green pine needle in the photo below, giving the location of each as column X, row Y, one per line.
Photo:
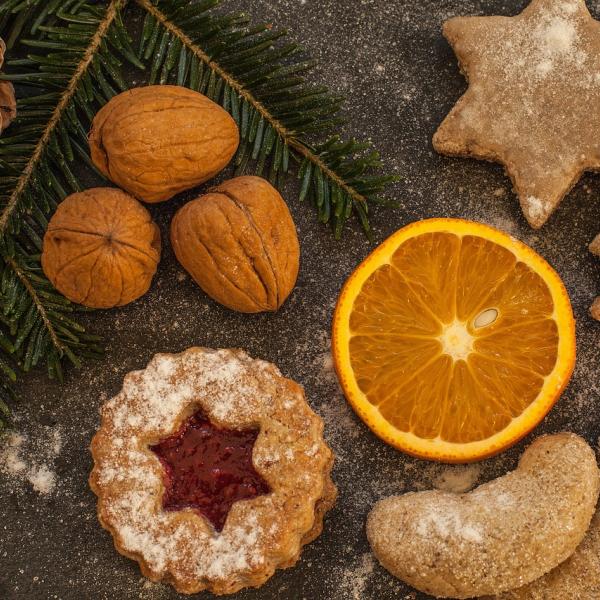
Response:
column 72, row 65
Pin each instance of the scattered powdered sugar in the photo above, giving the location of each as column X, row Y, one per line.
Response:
column 42, row 479
column 353, row 580
column 56, row 442
column 29, row 460
column 536, row 208
column 324, row 362
column 543, row 43
column 558, row 34
column 10, row 457
column 164, row 401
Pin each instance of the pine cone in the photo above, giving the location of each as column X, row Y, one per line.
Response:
column 8, row 103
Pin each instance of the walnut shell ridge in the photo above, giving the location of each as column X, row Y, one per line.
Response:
column 160, row 140
column 239, row 243
column 101, row 248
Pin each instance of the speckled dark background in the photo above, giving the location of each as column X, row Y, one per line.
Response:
column 400, row 76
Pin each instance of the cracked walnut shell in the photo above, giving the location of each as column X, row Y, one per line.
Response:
column 101, row 248
column 160, row 140
column 239, row 243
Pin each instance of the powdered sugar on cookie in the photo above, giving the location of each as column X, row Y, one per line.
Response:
column 532, row 100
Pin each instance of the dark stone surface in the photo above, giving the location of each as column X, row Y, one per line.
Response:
column 389, row 58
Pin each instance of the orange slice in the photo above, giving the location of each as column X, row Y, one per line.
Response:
column 453, row 340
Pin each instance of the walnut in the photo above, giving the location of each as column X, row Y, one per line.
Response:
column 159, row 140
column 101, row 248
column 239, row 243
column 8, row 103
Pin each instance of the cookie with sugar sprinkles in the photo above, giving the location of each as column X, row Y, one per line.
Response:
column 575, row 579
column 533, row 101
column 235, row 394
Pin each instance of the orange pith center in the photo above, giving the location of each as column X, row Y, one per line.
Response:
column 453, row 338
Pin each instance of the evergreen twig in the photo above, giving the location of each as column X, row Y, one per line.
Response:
column 72, row 65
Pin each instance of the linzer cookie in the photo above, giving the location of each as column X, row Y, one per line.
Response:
column 211, row 470
column 533, row 102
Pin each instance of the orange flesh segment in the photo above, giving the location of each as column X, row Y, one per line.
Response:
column 435, row 280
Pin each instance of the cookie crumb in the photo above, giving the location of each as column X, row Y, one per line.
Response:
column 457, row 479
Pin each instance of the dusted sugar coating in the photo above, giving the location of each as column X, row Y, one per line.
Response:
column 533, row 102
column 500, row 536
column 160, row 140
column 208, row 468
column 260, row 534
column 578, row 578
column 101, row 248
column 240, row 245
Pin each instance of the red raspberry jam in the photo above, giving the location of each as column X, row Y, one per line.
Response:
column 208, row 469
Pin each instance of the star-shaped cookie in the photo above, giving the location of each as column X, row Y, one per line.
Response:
column 533, row 102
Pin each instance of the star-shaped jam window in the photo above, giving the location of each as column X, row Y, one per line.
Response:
column 208, row 469
column 533, row 101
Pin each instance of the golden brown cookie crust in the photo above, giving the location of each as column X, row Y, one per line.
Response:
column 261, row 534
column 533, row 102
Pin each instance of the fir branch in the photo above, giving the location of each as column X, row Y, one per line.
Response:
column 76, row 49
column 263, row 87
column 283, row 132
column 65, row 99
column 75, row 53
column 39, row 305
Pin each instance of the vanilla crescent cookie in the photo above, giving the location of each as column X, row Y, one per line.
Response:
column 211, row 470
column 533, row 101
column 500, row 536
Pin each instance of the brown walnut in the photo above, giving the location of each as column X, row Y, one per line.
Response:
column 101, row 248
column 159, row 140
column 239, row 243
column 8, row 103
